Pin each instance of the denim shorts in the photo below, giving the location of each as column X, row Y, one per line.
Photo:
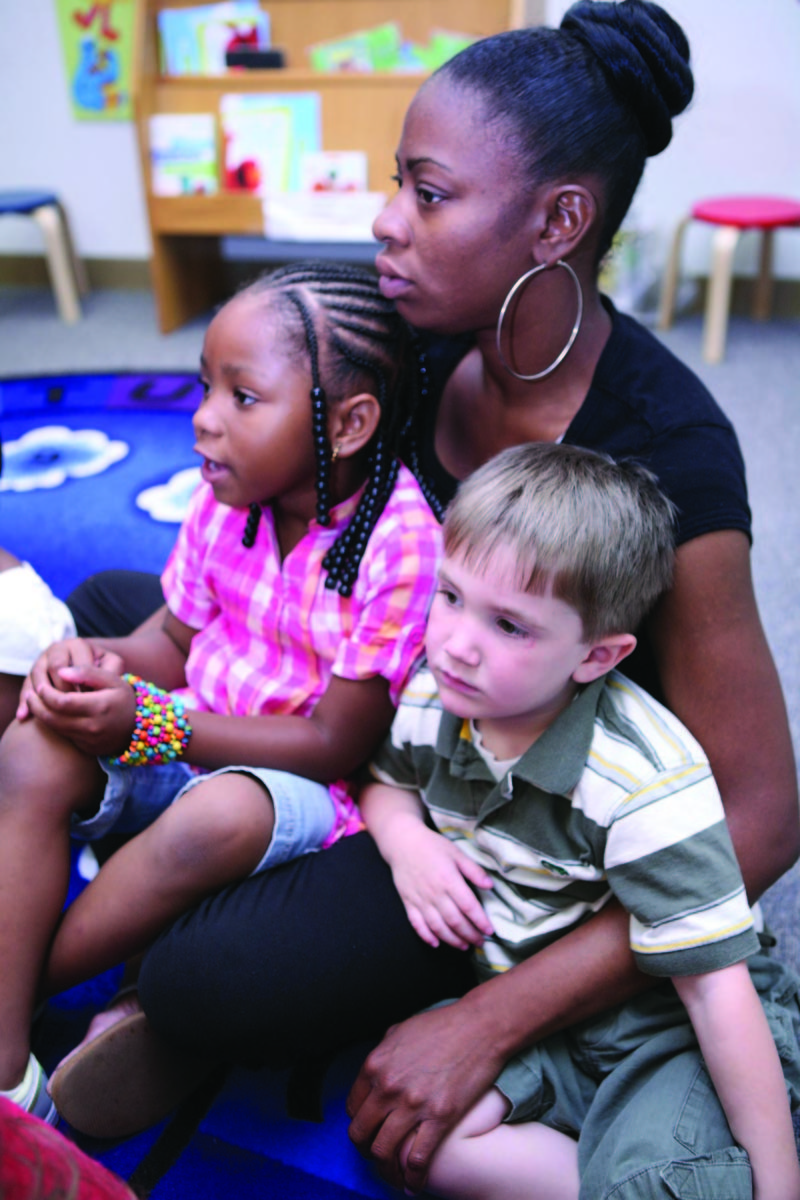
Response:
column 135, row 796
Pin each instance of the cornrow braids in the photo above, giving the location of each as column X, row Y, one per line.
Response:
column 349, row 328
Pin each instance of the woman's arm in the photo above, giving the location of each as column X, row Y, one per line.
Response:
column 719, row 678
column 743, row 1063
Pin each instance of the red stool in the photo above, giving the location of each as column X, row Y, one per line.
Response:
column 733, row 215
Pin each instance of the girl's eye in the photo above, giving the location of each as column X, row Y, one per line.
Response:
column 205, row 385
column 448, row 595
column 243, row 399
column 510, row 629
column 397, row 178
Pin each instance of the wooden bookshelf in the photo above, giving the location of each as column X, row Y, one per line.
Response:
column 359, row 112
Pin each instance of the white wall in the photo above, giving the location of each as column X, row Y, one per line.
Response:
column 742, row 132
column 92, row 165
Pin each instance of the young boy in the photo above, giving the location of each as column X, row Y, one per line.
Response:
column 522, row 765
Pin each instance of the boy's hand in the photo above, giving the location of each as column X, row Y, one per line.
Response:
column 67, row 653
column 430, row 873
column 97, row 716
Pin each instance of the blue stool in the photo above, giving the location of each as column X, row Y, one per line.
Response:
column 67, row 274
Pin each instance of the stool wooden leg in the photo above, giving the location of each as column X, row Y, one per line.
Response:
column 719, row 293
column 59, row 261
column 669, row 287
column 78, row 268
column 762, row 295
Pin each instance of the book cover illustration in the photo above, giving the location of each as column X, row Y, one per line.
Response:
column 333, row 171
column 183, row 154
column 265, row 137
column 383, row 48
column 193, row 41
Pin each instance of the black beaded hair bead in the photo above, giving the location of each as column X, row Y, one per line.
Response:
column 365, row 339
column 251, row 528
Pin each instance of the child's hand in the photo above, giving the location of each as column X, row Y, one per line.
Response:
column 66, row 653
column 97, row 716
column 430, row 873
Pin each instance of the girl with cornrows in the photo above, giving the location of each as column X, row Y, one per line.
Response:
column 520, row 155
column 288, row 636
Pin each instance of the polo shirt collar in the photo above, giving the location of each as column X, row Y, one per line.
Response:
column 555, row 761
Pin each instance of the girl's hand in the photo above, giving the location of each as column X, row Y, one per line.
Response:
column 431, row 874
column 66, row 653
column 97, row 716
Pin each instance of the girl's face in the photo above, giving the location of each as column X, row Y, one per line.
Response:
column 457, row 233
column 253, row 425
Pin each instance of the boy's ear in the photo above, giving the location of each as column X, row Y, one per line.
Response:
column 603, row 655
column 353, row 422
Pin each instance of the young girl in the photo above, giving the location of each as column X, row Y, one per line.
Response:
column 296, row 594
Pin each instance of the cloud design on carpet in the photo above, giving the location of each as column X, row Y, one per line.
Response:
column 169, row 501
column 50, row 455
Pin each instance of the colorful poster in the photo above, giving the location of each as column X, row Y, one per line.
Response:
column 97, row 44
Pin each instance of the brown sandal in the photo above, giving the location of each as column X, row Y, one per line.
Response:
column 124, row 1080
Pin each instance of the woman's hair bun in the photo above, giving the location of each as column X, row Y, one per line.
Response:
column 645, row 56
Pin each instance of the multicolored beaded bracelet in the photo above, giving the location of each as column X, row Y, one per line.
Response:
column 160, row 733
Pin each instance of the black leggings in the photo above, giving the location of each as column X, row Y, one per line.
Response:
column 113, row 603
column 293, row 963
column 297, row 962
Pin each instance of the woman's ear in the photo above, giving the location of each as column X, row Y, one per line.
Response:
column 603, row 655
column 571, row 212
column 352, row 424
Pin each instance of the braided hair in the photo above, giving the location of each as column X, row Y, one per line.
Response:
column 337, row 315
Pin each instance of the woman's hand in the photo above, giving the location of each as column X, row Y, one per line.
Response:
column 431, row 875
column 97, row 715
column 417, row 1085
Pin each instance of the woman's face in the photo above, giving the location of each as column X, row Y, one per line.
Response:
column 458, row 231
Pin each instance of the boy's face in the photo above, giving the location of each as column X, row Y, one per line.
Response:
column 504, row 657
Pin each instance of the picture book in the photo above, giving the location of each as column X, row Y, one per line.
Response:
column 366, row 50
column 384, row 49
column 183, row 154
column 193, row 41
column 265, row 137
column 333, row 171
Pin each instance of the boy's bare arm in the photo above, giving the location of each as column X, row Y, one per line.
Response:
column 429, row 872
column 744, row 1066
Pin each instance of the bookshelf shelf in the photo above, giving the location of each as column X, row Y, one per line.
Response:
column 360, row 111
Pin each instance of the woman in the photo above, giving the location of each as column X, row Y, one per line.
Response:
column 516, row 165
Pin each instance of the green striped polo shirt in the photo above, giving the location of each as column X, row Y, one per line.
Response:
column 616, row 797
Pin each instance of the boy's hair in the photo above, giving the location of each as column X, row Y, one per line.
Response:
column 598, row 532
column 354, row 340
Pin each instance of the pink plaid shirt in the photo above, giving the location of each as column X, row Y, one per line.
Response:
column 270, row 634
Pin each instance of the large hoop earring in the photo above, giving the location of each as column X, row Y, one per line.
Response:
column 523, row 279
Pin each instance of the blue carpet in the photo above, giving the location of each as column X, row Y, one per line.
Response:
column 97, row 471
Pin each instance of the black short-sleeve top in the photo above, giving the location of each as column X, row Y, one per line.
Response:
column 644, row 403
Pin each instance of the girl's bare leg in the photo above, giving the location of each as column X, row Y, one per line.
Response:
column 483, row 1159
column 214, row 835
column 43, row 779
